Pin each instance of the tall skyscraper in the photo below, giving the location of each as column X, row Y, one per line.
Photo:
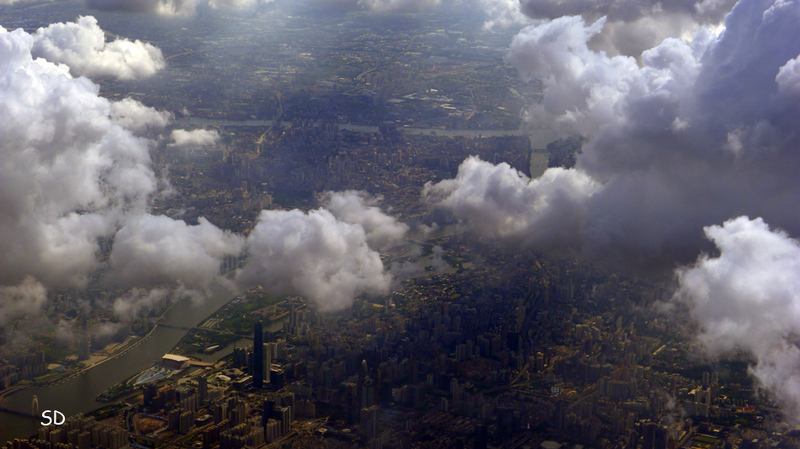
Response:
column 267, row 362
column 202, row 388
column 258, row 356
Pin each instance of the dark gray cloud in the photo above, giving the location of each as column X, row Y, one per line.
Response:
column 626, row 10
column 680, row 140
column 695, row 133
column 633, row 26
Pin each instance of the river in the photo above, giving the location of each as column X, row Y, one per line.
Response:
column 77, row 395
column 539, row 137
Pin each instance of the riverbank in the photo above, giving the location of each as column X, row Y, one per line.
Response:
column 77, row 393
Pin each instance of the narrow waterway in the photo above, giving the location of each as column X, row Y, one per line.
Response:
column 539, row 138
column 77, row 395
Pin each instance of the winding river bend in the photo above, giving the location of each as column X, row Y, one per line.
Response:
column 77, row 394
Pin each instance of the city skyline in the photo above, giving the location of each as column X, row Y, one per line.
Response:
column 526, row 161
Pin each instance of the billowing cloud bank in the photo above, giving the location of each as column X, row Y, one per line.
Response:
column 328, row 255
column 634, row 26
column 696, row 133
column 82, row 46
column 748, row 299
column 66, row 171
column 686, row 137
column 73, row 173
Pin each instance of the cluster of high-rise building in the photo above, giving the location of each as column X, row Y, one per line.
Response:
column 77, row 432
column 20, row 366
column 476, row 358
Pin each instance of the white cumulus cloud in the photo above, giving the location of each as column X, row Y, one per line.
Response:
column 748, row 299
column 501, row 202
column 132, row 115
column 314, row 255
column 153, row 249
column 67, row 168
column 82, row 46
column 357, row 207
column 195, row 137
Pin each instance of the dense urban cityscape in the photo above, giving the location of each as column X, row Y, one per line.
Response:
column 312, row 264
